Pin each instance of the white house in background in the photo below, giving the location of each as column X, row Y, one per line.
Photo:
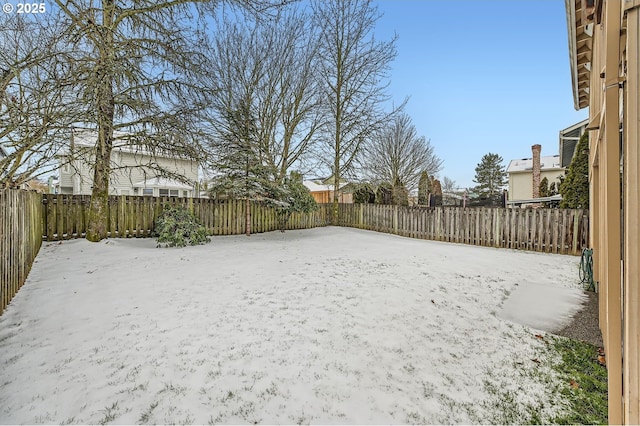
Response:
column 131, row 172
column 525, row 175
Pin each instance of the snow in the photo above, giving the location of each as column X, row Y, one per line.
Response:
column 328, row 325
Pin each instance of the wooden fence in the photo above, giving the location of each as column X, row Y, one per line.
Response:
column 546, row 230
column 65, row 216
column 20, row 239
column 26, row 218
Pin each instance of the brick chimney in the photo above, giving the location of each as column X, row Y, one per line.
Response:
column 536, row 170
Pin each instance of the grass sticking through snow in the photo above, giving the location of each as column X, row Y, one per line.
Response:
column 569, row 369
column 584, row 382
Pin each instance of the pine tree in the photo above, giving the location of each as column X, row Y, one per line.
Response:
column 544, row 188
column 424, row 186
column 491, row 176
column 575, row 187
column 242, row 174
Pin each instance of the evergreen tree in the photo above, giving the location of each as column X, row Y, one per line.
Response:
column 242, row 174
column 575, row 187
column 291, row 197
column 491, row 176
column 424, row 187
column 364, row 194
column 544, row 188
column 384, row 194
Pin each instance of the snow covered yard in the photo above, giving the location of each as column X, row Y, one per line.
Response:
column 327, row 325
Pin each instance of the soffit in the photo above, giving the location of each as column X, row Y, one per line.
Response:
column 580, row 30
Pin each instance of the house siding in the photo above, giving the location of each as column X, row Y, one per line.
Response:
column 521, row 183
column 129, row 172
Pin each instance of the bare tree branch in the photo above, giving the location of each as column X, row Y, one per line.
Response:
column 397, row 155
column 353, row 71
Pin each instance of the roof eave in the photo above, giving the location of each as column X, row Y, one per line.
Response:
column 579, row 31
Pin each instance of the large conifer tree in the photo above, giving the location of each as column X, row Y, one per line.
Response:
column 575, row 188
column 491, row 176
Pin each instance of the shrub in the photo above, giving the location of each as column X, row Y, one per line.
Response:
column 384, row 194
column 364, row 194
column 176, row 227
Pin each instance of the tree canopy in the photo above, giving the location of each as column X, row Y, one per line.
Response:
column 491, row 175
column 398, row 155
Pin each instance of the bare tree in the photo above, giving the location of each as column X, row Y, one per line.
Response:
column 353, row 70
column 448, row 185
column 268, row 66
column 37, row 96
column 398, row 155
column 139, row 70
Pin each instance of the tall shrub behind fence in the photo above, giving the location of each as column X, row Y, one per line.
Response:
column 65, row 216
column 20, row 239
column 561, row 231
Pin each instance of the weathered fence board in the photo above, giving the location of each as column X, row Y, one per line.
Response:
column 20, row 239
column 26, row 218
column 545, row 230
column 64, row 216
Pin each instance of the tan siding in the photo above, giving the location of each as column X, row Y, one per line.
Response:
column 520, row 184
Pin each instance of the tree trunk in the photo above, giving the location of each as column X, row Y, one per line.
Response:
column 334, row 215
column 99, row 207
column 248, row 218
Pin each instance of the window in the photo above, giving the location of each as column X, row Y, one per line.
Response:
column 185, row 193
column 147, row 191
column 169, row 193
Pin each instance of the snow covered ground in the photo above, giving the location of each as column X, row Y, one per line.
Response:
column 328, row 325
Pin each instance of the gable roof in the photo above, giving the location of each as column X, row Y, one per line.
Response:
column 547, row 162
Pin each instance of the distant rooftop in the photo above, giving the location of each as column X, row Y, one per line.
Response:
column 547, row 162
column 317, row 187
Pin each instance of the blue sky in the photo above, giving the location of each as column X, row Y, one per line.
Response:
column 482, row 76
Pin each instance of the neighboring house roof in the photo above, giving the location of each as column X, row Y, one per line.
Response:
column 547, row 162
column 568, row 140
column 317, row 187
column 161, row 182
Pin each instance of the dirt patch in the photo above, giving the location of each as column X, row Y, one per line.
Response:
column 584, row 324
